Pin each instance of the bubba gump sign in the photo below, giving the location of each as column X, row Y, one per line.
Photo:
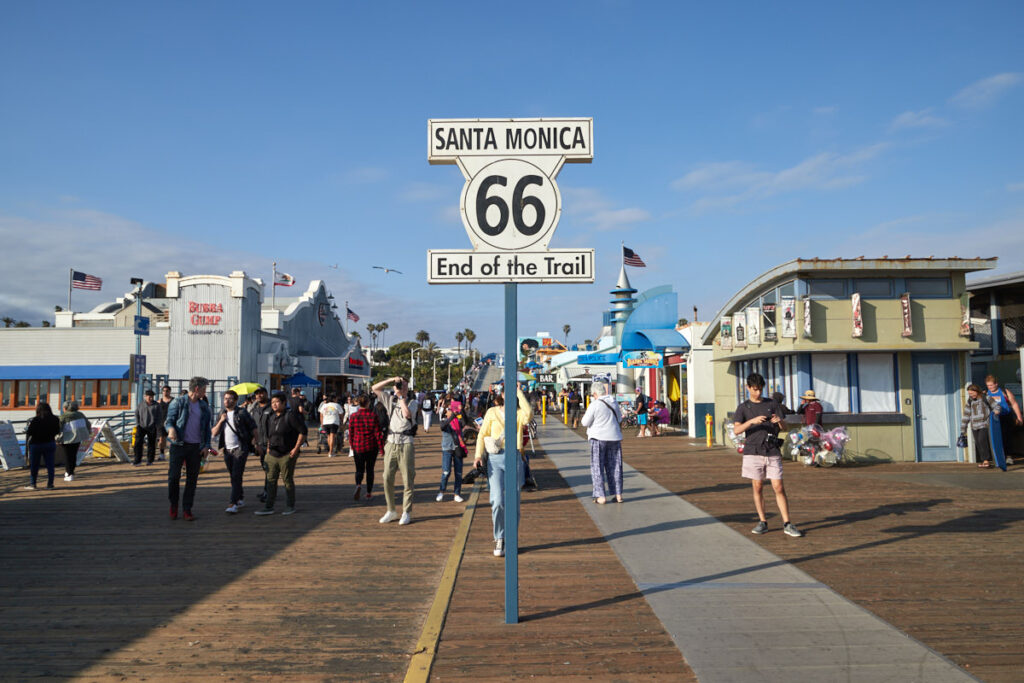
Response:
column 205, row 314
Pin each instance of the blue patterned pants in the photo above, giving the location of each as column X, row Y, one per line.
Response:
column 606, row 467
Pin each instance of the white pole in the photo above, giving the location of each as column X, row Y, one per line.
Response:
column 273, row 287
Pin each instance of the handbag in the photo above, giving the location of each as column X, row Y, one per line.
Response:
column 961, row 441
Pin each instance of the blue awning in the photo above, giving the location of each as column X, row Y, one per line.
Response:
column 661, row 339
column 59, row 371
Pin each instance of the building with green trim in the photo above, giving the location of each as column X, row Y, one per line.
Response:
column 884, row 343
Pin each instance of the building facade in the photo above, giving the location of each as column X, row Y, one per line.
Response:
column 883, row 343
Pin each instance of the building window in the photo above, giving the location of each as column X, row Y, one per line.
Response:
column 6, row 394
column 24, row 394
column 877, row 380
column 827, row 289
column 930, row 287
column 787, row 289
column 1011, row 313
column 874, row 288
column 830, row 380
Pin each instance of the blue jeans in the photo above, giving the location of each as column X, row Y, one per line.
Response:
column 42, row 451
column 448, row 462
column 496, row 487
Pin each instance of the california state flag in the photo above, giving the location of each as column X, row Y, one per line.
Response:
column 283, row 280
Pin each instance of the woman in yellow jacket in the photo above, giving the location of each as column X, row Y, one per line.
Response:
column 494, row 427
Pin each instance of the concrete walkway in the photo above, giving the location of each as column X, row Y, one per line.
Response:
column 736, row 611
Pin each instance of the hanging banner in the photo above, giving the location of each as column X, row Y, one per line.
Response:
column 965, row 315
column 642, row 359
column 858, row 320
column 908, row 325
column 725, row 337
column 771, row 333
column 808, row 330
column 789, row 317
column 739, row 330
column 754, row 326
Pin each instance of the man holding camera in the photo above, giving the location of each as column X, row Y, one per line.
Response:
column 401, row 407
column 762, row 421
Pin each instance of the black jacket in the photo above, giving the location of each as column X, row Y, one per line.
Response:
column 244, row 425
column 261, row 415
column 283, row 432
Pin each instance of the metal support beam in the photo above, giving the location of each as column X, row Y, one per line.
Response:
column 512, row 464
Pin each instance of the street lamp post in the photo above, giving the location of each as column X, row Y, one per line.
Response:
column 434, row 383
column 412, row 368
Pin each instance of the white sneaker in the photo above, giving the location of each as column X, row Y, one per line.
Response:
column 440, row 497
column 499, row 548
column 458, row 498
column 71, row 477
column 405, row 519
column 232, row 509
column 389, row 516
column 1009, row 460
column 240, row 504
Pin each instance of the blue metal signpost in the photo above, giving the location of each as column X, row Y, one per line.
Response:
column 512, row 464
column 510, row 207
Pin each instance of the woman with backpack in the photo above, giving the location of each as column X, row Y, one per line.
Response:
column 427, row 408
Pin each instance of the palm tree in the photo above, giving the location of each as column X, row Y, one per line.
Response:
column 422, row 337
column 566, row 329
column 470, row 338
column 458, row 343
column 383, row 328
column 8, row 321
column 372, row 329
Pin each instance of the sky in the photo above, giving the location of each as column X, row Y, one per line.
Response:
column 207, row 137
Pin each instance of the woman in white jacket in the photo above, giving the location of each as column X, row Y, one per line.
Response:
column 602, row 420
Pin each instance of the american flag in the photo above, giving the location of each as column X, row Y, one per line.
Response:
column 351, row 315
column 631, row 258
column 81, row 280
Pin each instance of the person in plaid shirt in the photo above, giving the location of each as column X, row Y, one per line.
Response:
column 365, row 439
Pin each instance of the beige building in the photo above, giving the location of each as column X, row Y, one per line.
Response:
column 884, row 343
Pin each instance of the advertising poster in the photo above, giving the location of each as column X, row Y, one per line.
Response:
column 808, row 329
column 789, row 317
column 770, row 330
column 739, row 330
column 965, row 316
column 10, row 450
column 726, row 335
column 908, row 325
column 858, row 319
column 754, row 325
column 642, row 359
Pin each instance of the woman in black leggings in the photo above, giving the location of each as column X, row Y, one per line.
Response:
column 364, row 438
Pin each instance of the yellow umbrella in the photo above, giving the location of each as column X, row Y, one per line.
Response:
column 245, row 388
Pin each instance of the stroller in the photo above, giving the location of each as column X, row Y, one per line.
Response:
column 321, row 439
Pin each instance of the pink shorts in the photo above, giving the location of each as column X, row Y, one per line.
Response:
column 762, row 467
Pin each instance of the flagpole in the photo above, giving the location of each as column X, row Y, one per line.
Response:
column 346, row 317
column 71, row 276
column 273, row 287
column 622, row 253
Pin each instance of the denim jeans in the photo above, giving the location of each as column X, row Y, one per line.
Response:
column 496, row 488
column 448, row 462
column 42, row 451
column 189, row 455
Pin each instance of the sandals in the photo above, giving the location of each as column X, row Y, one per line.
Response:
column 985, row 464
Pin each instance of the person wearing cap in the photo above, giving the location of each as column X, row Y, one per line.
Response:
column 147, row 417
column 810, row 408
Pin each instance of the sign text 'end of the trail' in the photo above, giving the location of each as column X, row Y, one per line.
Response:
column 464, row 266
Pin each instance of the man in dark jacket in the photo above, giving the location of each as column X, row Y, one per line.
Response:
column 284, row 439
column 260, row 411
column 236, row 431
column 147, row 419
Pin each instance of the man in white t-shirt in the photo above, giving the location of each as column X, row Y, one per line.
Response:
column 330, row 421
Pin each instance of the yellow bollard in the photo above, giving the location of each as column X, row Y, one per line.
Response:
column 707, row 428
column 587, row 404
column 565, row 411
column 544, row 410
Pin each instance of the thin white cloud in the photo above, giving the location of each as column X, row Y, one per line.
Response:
column 598, row 212
column 426, row 192
column 821, row 111
column 365, row 175
column 734, row 182
column 917, row 119
column 985, row 92
column 1015, row 187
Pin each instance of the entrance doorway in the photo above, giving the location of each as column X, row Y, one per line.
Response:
column 935, row 393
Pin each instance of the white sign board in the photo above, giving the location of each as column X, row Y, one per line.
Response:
column 510, row 201
column 551, row 266
column 10, row 449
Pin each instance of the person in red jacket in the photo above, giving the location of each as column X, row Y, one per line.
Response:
column 364, row 436
column 810, row 408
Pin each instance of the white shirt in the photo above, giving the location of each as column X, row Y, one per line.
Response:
column 230, row 438
column 603, row 419
column 331, row 413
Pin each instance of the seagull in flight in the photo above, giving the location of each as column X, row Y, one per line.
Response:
column 333, row 266
column 388, row 270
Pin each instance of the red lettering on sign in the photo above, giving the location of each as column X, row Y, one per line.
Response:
column 196, row 308
column 355, row 362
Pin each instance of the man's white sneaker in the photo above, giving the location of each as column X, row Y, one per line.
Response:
column 458, row 498
column 440, row 497
column 231, row 509
column 240, row 504
column 499, row 548
column 405, row 519
column 69, row 477
column 389, row 516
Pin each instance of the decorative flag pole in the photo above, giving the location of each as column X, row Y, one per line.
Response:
column 71, row 274
column 346, row 317
column 273, row 287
